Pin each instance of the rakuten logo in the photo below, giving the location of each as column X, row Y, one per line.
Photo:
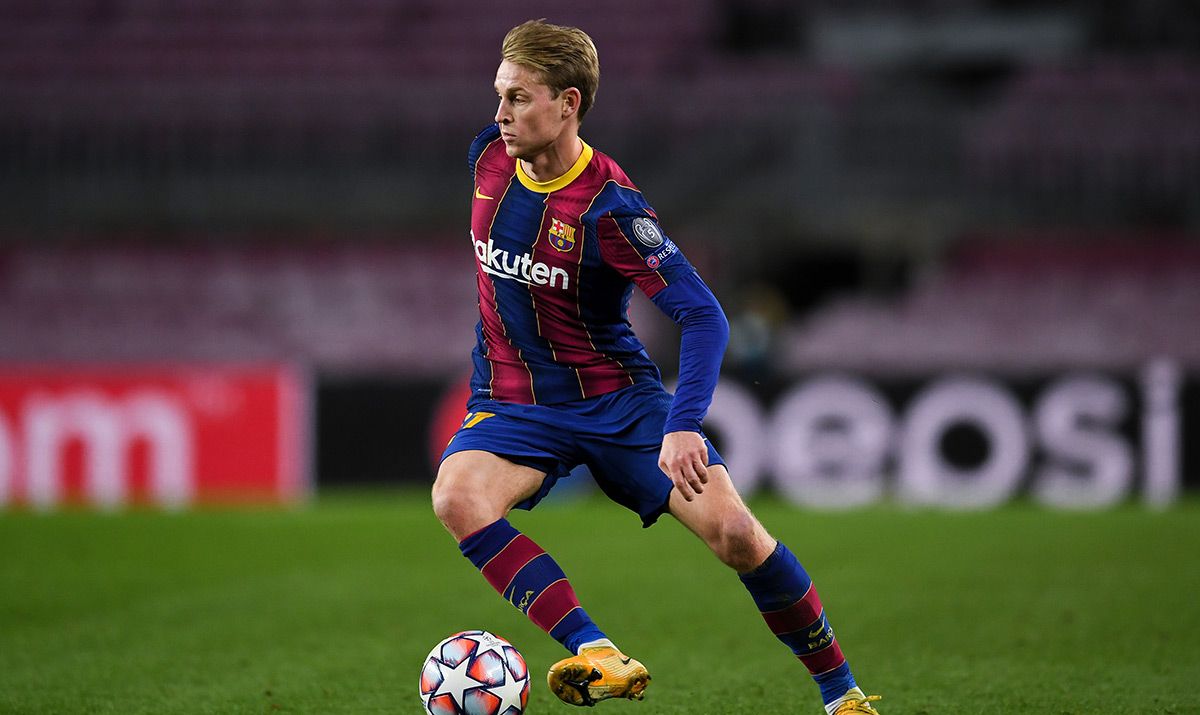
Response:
column 520, row 268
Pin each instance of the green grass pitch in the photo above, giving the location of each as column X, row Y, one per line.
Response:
column 331, row 609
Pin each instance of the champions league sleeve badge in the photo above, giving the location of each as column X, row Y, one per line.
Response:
column 650, row 235
column 647, row 232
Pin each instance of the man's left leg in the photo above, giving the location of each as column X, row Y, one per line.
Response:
column 777, row 582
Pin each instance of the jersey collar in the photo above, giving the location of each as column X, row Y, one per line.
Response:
column 545, row 187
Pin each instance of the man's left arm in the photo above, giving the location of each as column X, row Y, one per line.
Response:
column 704, row 333
column 633, row 243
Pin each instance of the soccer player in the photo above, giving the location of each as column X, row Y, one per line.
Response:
column 561, row 235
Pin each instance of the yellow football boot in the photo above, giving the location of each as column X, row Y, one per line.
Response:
column 598, row 674
column 855, row 702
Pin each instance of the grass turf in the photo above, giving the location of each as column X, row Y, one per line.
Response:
column 331, row 609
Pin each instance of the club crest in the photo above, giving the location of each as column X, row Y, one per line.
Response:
column 561, row 235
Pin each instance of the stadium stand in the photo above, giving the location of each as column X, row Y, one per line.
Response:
column 1030, row 302
column 334, row 307
column 189, row 117
column 319, row 40
column 130, row 108
column 1107, row 126
column 1025, row 303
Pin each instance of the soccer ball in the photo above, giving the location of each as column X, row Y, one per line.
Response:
column 474, row 673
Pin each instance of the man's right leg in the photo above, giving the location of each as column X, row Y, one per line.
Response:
column 473, row 493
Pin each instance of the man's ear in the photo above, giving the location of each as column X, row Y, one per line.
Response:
column 572, row 99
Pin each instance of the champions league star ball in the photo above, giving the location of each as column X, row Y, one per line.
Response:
column 474, row 673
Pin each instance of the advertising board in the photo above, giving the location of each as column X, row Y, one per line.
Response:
column 169, row 436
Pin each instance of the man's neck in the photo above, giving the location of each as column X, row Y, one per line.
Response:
column 558, row 158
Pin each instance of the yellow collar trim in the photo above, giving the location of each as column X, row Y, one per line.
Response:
column 545, row 187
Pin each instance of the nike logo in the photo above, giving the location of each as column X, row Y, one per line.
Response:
column 817, row 632
column 480, row 195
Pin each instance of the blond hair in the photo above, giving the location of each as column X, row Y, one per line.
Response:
column 564, row 56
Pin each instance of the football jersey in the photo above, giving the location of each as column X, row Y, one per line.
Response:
column 556, row 265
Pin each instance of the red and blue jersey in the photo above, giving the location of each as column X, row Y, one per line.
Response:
column 556, row 263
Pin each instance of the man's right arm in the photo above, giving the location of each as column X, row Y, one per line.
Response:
column 489, row 134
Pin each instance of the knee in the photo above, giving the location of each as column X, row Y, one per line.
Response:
column 739, row 541
column 446, row 499
column 459, row 507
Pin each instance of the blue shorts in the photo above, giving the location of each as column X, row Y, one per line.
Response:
column 617, row 435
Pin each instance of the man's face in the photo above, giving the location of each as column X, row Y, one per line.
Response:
column 529, row 115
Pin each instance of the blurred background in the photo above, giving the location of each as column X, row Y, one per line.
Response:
column 958, row 242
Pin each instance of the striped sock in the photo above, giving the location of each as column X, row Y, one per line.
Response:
column 528, row 578
column 788, row 601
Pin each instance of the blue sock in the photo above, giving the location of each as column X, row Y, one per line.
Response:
column 528, row 578
column 788, row 601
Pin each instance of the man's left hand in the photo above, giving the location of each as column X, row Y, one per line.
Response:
column 684, row 458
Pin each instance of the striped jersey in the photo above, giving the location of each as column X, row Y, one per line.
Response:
column 556, row 264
